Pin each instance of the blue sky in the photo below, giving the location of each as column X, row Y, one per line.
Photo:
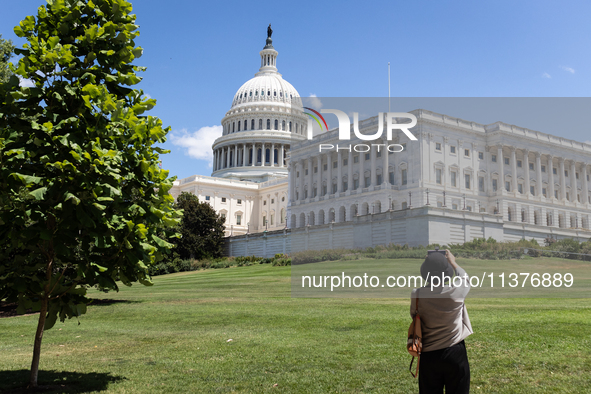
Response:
column 199, row 53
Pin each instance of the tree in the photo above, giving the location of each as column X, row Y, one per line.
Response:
column 201, row 229
column 6, row 51
column 82, row 198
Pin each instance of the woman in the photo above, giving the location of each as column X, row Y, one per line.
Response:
column 445, row 325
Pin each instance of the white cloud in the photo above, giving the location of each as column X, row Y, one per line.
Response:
column 568, row 69
column 197, row 143
column 546, row 75
column 315, row 101
column 25, row 83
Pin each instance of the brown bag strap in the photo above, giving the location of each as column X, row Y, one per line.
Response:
column 414, row 375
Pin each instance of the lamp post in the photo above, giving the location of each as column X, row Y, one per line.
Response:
column 373, row 208
column 444, row 206
column 498, row 211
column 247, row 227
column 427, row 197
column 464, row 197
column 231, row 230
column 356, row 208
column 390, row 202
column 409, row 200
column 286, row 221
column 479, row 206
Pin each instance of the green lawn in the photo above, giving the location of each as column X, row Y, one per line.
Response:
column 174, row 338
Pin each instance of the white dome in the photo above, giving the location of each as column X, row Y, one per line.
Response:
column 268, row 86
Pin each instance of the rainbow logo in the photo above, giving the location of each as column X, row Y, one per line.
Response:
column 316, row 119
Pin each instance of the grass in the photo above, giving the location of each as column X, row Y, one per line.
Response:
column 174, row 337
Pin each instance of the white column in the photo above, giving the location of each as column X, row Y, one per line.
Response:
column 254, row 155
column 301, row 180
column 361, row 170
column 273, row 155
column 550, row 165
column 562, row 179
column 339, row 172
column 372, row 179
column 461, row 176
column 227, row 157
column 514, row 172
column 310, row 176
column 281, row 154
column 350, row 171
column 244, row 155
column 573, row 182
column 320, row 174
column 263, row 155
column 329, row 180
column 539, row 180
column 487, row 167
column 501, row 164
column 292, row 181
column 526, row 162
column 235, row 156
column 215, row 156
column 585, row 193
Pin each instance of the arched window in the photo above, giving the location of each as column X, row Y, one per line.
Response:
column 245, row 124
column 275, row 156
column 267, row 155
column 233, row 126
column 283, row 125
column 252, row 124
column 289, row 126
column 268, row 124
column 297, row 128
column 251, row 93
column 260, row 124
column 280, row 94
column 275, row 94
column 276, row 124
column 238, row 125
column 259, row 154
column 240, row 95
column 268, row 92
column 256, row 92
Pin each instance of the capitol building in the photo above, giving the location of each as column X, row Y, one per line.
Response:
column 458, row 180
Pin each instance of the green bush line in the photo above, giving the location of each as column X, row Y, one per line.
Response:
column 479, row 248
column 180, row 265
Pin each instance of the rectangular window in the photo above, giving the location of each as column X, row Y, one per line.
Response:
column 324, row 190
column 531, row 166
column 467, row 152
column 356, row 159
column 532, row 190
column 223, row 199
column 367, row 181
column 355, row 184
column 520, row 188
column 467, row 181
column 544, row 191
column 314, row 192
column 272, row 219
column 506, row 161
column 306, row 171
column 519, row 163
column 379, row 154
column 566, row 173
column 438, row 176
column 239, row 201
column 272, row 201
column 508, row 186
column 297, row 174
column 567, row 196
column 367, row 156
column 494, row 158
column 223, row 215
column 469, row 208
column 326, row 167
column 264, row 220
column 391, row 177
column 556, row 194
column 494, row 185
column 345, row 162
column 438, row 146
column 238, row 220
column 480, row 183
column 554, row 171
column 305, row 194
column 316, row 170
column 207, row 198
column 404, row 180
column 454, row 206
column 335, row 164
column 345, row 186
column 452, row 149
column 453, row 179
column 404, row 205
column 576, row 175
column 543, row 168
column 379, row 179
column 480, row 155
column 334, row 188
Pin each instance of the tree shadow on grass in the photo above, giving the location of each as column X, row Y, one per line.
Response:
column 53, row 382
column 8, row 309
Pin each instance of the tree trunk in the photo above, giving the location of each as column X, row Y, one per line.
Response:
column 38, row 338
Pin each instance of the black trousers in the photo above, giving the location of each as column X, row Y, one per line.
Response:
column 447, row 368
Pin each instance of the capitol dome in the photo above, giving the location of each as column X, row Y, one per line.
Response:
column 265, row 117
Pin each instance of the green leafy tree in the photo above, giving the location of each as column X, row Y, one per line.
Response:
column 6, row 52
column 201, row 229
column 82, row 198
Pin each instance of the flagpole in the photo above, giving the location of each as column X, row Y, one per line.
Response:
column 388, row 86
